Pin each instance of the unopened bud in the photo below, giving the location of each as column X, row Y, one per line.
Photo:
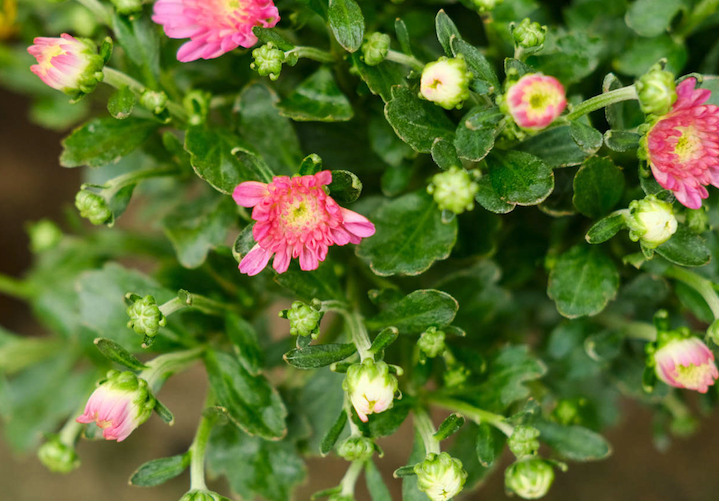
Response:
column 431, row 342
column 523, row 441
column 93, row 207
column 657, row 91
column 375, row 48
column 528, row 34
column 682, row 360
column 456, row 376
column 146, row 317
column 44, row 235
column 356, row 449
column 304, row 319
column 268, row 61
column 440, row 476
column 154, row 101
column 203, row 495
column 58, row 457
column 127, row 6
column 445, row 82
column 453, row 190
column 529, row 478
column 370, row 387
column 486, row 5
column 651, row 221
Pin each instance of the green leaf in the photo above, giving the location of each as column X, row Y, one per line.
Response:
column 164, row 413
column 319, row 355
column 321, row 399
column 251, row 402
column 269, row 35
column 380, row 78
column 490, row 442
column 121, row 103
column 118, row 354
column 569, row 56
column 444, row 154
column 449, row 426
column 244, row 338
column 311, row 164
column 446, row 29
column 388, row 422
column 583, row 281
column 196, row 227
column 159, row 471
column 520, row 178
column 384, row 339
column 257, row 115
column 642, row 53
column 140, row 39
column 410, row 236
column 410, row 490
column 317, row 99
column 650, row 18
column 417, row 311
column 606, row 228
column 102, row 141
column 333, row 433
column 555, row 146
column 598, row 187
column 575, row 443
column 347, row 23
column 621, row 140
column 378, row 490
column 477, row 64
column 685, row 248
column 255, row 467
column 322, row 283
column 587, row 138
column 223, row 159
column 345, row 187
column 400, row 29
column 243, row 243
column 488, row 197
column 416, row 121
column 476, row 133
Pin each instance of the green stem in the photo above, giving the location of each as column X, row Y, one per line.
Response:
column 312, row 53
column 603, row 100
column 699, row 284
column 102, row 13
column 197, row 451
column 334, row 305
column 630, row 329
column 172, row 306
column 116, row 184
column 360, row 338
column 19, row 289
column 164, row 366
column 475, row 414
column 398, row 57
column 354, row 429
column 188, row 300
column 69, row 433
column 350, row 479
column 690, row 22
column 424, row 426
column 119, row 80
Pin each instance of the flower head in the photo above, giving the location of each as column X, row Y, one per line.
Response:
column 656, row 91
column 67, row 64
column 213, row 26
column 683, row 145
column 93, row 207
column 529, row 478
column 446, row 82
column 684, row 361
column 370, row 387
column 145, row 316
column 535, row 101
column 356, row 448
column 119, row 405
column 453, row 190
column 304, row 319
column 652, row 221
column 375, row 48
column 440, row 476
column 528, row 34
column 268, row 61
column 296, row 219
column 44, row 235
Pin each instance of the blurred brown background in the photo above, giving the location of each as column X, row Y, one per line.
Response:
column 32, row 186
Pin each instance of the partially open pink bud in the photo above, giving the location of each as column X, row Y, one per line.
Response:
column 119, row 405
column 67, row 64
column 370, row 387
column 535, row 101
column 686, row 362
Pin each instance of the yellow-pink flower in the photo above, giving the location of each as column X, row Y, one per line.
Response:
column 535, row 101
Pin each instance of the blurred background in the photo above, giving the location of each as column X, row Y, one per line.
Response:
column 34, row 186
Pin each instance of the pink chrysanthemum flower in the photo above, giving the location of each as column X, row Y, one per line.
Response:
column 213, row 26
column 535, row 101
column 686, row 363
column 683, row 146
column 296, row 219
column 66, row 64
column 119, row 405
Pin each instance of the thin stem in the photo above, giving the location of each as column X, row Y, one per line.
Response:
column 699, row 284
column 172, row 306
column 19, row 289
column 119, row 80
column 354, row 429
column 603, row 100
column 398, row 57
column 350, row 479
column 474, row 413
column 312, row 53
column 201, row 303
column 197, row 452
column 116, row 184
column 164, row 366
column 70, row 431
column 424, row 426
column 360, row 338
column 334, row 305
column 630, row 329
column 102, row 13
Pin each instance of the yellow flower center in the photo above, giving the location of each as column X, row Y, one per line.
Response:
column 540, row 96
column 51, row 53
column 691, row 376
column 689, row 145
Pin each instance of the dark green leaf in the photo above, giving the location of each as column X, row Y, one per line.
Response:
column 642, row 53
column 605, row 228
column 333, row 433
column 243, row 243
column 446, row 29
column 476, row 63
column 490, row 442
column 476, row 133
column 444, row 154
column 410, row 236
column 244, row 338
column 388, row 422
column 345, row 187
column 621, row 140
column 375, row 484
column 488, row 198
column 449, row 426
column 587, row 138
column 650, row 18
column 140, row 39
column 118, row 354
column 102, row 141
column 400, row 29
column 319, row 355
column 321, row 283
column 685, row 248
column 574, row 442
column 569, row 55
column 417, row 122
column 520, row 178
column 598, row 186
column 555, row 146
column 121, row 103
column 404, row 471
column 159, row 471
column 380, row 78
column 384, row 339
column 269, row 35
column 583, row 281
column 410, row 490
column 321, row 399
column 310, row 165
column 317, row 99
column 164, row 413
column 417, row 311
column 347, row 23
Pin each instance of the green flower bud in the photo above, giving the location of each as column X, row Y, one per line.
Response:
column 657, row 91
column 93, row 207
column 58, row 457
column 440, row 476
column 652, row 221
column 127, row 6
column 203, row 495
column 528, row 34
column 268, row 61
column 356, row 449
column 568, row 411
column 486, row 5
column 456, row 376
column 304, row 319
column 44, row 235
column 154, row 101
column 375, row 48
column 445, row 82
column 697, row 220
column 145, row 317
column 523, row 441
column 370, row 387
column 529, row 478
column 453, row 190
column 431, row 342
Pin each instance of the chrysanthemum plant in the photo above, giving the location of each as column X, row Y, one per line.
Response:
column 491, row 220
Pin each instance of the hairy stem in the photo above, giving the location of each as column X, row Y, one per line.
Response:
column 398, row 57
column 424, row 426
column 164, row 366
column 474, row 413
column 197, row 451
column 602, row 101
column 350, row 479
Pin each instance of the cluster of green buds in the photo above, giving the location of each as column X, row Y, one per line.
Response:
column 440, row 476
column 650, row 221
column 146, row 318
column 431, row 342
column 57, row 456
column 528, row 37
column 356, row 448
column 375, row 48
column 523, row 441
column 453, row 190
column 445, row 82
column 44, row 235
column 93, row 207
column 268, row 61
column 304, row 319
column 656, row 90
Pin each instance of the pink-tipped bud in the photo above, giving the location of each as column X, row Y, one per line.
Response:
column 535, row 101
column 685, row 362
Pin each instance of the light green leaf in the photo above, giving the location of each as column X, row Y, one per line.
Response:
column 121, row 103
column 575, row 443
column 650, row 18
column 159, row 471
